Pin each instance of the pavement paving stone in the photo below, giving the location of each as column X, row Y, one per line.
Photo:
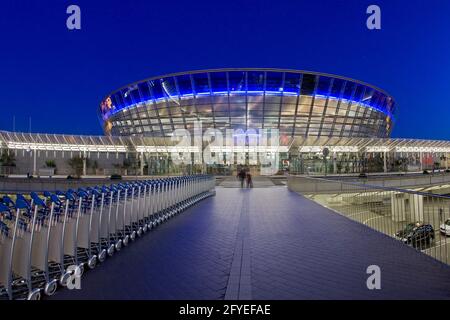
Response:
column 263, row 243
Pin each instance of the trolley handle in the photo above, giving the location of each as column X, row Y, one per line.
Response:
column 37, row 200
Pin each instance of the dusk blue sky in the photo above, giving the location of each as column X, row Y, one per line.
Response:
column 58, row 77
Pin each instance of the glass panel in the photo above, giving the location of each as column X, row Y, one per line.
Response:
column 169, row 88
column 337, row 87
column 218, row 81
column 126, row 97
column 201, row 83
column 323, row 86
column 292, row 82
column 116, row 101
column 255, row 80
column 184, row 84
column 348, row 92
column 145, row 92
column 359, row 92
column 308, row 83
column 237, row 80
column 274, row 81
column 156, row 89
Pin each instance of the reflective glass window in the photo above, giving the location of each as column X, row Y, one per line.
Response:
column 116, row 101
column 348, row 91
column 359, row 92
column 144, row 91
column 126, row 96
column 169, row 87
column 255, row 80
column 156, row 89
column 218, row 81
column 237, row 80
column 337, row 87
column 184, row 84
column 323, row 86
column 201, row 84
column 308, row 84
column 292, row 82
column 274, row 81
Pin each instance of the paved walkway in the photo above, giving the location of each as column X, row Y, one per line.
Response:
column 263, row 243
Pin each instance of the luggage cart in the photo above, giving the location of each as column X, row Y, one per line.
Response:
column 15, row 262
column 166, row 197
column 133, row 211
column 140, row 208
column 9, row 229
column 153, row 202
column 144, row 206
column 85, row 216
column 64, row 212
column 98, row 217
column 127, row 212
column 120, row 233
column 113, row 218
column 46, row 231
column 107, row 233
column 157, row 216
column 76, row 232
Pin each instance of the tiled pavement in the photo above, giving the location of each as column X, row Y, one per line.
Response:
column 263, row 243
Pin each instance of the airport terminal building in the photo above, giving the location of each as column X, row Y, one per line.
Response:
column 326, row 124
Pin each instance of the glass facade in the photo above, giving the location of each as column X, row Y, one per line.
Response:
column 295, row 102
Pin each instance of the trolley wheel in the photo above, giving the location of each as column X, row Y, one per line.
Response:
column 118, row 245
column 64, row 278
column 145, row 228
column 34, row 295
column 111, row 250
column 92, row 262
column 51, row 287
column 133, row 235
column 125, row 241
column 81, row 268
column 139, row 233
column 102, row 256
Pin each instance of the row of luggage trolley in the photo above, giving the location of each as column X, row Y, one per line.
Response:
column 45, row 239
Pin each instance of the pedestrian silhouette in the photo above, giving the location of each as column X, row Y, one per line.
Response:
column 241, row 177
column 249, row 180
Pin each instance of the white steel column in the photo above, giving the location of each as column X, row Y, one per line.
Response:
column 421, row 161
column 84, row 164
column 446, row 160
column 34, row 162
column 398, row 206
column 416, row 207
column 142, row 163
column 334, row 163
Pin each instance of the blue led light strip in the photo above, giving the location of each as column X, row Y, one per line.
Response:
column 224, row 93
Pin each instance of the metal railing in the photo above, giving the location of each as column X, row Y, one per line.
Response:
column 418, row 219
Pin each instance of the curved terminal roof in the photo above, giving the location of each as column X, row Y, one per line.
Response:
column 246, row 93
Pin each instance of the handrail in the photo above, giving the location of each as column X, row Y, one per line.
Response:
column 369, row 186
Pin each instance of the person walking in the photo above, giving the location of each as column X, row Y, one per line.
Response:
column 249, row 180
column 241, row 176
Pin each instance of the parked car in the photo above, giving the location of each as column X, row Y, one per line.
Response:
column 445, row 227
column 416, row 234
